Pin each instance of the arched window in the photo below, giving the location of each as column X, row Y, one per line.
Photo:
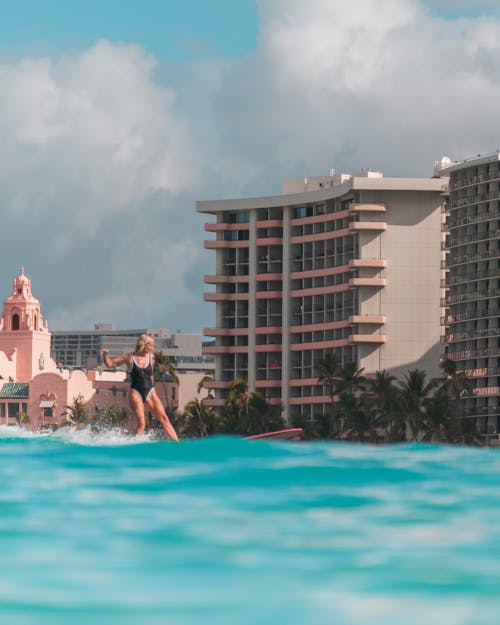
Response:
column 35, row 322
column 15, row 322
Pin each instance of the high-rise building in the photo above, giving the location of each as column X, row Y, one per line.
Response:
column 473, row 283
column 349, row 264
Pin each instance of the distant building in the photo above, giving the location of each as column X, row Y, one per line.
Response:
column 339, row 263
column 472, row 299
column 80, row 348
column 34, row 389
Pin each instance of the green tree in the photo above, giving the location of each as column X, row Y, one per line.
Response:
column 327, row 370
column 438, row 424
column 358, row 416
column 415, row 393
column 76, row 413
column 350, row 378
column 197, row 420
column 248, row 413
column 165, row 371
column 386, row 404
column 208, row 377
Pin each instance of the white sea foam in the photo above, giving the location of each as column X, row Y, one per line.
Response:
column 105, row 437
column 14, row 431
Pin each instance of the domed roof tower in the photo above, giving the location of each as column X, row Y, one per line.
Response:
column 23, row 330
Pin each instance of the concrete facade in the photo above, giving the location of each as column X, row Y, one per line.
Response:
column 349, row 264
column 473, row 283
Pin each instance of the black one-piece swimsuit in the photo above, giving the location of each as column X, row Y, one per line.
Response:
column 141, row 378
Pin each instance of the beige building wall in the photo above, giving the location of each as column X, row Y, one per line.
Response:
column 410, row 300
column 188, row 388
column 358, row 273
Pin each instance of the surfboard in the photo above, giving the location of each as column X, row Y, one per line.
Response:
column 292, row 434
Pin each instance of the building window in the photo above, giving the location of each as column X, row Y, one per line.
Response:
column 13, row 410
column 15, row 322
column 173, row 392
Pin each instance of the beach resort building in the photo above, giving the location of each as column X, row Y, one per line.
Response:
column 342, row 263
column 472, row 301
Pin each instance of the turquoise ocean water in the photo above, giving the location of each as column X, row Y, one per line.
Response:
column 110, row 530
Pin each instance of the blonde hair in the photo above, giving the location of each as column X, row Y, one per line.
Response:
column 143, row 340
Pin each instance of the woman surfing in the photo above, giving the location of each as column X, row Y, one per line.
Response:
column 142, row 390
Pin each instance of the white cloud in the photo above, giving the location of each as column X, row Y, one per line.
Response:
column 99, row 120
column 96, row 163
column 347, row 85
column 104, row 152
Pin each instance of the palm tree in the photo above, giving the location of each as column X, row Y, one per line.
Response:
column 385, row 394
column 197, row 420
column 415, row 392
column 358, row 416
column 164, row 371
column 456, row 385
column 76, row 412
column 208, row 377
column 327, row 370
column 236, row 414
column 263, row 416
column 350, row 379
column 160, row 367
column 172, row 372
column 249, row 413
column 438, row 424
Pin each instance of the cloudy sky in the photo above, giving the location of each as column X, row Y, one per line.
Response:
column 117, row 115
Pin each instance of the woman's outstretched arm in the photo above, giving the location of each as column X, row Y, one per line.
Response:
column 114, row 362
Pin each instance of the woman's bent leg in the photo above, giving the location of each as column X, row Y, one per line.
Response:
column 154, row 404
column 137, row 405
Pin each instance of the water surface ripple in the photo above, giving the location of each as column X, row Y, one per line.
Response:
column 221, row 531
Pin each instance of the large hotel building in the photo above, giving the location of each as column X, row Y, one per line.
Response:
column 473, row 283
column 349, row 264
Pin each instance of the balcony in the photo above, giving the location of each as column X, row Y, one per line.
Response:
column 375, row 263
column 225, row 349
column 313, row 399
column 320, row 290
column 367, row 338
column 356, row 226
column 373, row 282
column 223, row 227
column 224, row 297
column 373, row 319
column 469, row 297
column 475, row 198
column 221, row 245
column 225, row 331
column 369, row 208
column 321, row 236
column 225, row 279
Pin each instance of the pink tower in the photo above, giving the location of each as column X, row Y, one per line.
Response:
column 24, row 335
